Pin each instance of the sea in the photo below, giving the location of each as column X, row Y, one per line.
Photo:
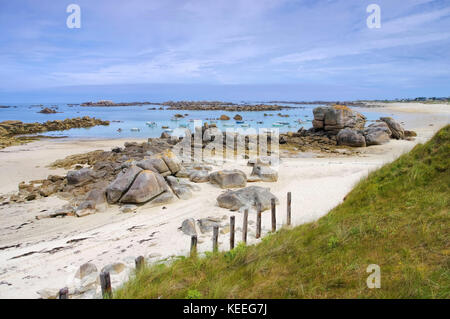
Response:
column 144, row 122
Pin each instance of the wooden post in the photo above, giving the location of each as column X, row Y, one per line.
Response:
column 232, row 223
column 105, row 282
column 274, row 216
column 63, row 293
column 193, row 245
column 258, row 221
column 139, row 262
column 245, row 226
column 288, row 219
column 215, row 238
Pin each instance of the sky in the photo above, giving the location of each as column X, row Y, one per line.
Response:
column 223, row 49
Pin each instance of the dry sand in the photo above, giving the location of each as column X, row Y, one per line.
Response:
column 53, row 249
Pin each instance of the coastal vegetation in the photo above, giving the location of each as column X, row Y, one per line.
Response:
column 398, row 218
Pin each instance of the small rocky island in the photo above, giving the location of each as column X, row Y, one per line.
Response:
column 11, row 132
column 194, row 105
column 111, row 103
column 338, row 125
column 221, row 106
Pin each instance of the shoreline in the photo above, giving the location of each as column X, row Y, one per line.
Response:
column 59, row 246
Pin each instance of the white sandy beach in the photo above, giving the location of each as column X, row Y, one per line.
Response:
column 52, row 253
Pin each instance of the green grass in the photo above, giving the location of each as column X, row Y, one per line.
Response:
column 398, row 218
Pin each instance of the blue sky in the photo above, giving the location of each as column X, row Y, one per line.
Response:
column 223, row 49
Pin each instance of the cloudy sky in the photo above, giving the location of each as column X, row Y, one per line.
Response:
column 224, row 49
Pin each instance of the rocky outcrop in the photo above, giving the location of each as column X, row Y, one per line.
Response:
column 337, row 117
column 397, row 130
column 10, row 129
column 224, row 117
column 224, row 106
column 47, row 111
column 246, row 198
column 237, row 117
column 309, row 140
column 113, row 171
column 228, row 178
column 18, row 127
column 351, row 138
column 111, row 103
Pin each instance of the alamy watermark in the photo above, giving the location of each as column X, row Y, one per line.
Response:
column 374, row 279
column 374, row 19
column 74, row 19
column 209, row 143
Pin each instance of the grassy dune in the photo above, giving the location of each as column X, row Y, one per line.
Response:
column 398, row 218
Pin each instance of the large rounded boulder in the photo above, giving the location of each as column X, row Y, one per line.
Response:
column 121, row 184
column 247, row 197
column 233, row 178
column 397, row 130
column 145, row 187
column 351, row 138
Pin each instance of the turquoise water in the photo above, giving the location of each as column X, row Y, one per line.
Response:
column 136, row 117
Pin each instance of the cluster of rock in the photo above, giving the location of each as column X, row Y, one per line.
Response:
column 376, row 133
column 111, row 103
column 18, row 127
column 310, row 140
column 9, row 130
column 225, row 106
column 339, row 125
column 147, row 173
column 48, row 110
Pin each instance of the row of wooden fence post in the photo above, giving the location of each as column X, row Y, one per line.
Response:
column 105, row 278
column 245, row 226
